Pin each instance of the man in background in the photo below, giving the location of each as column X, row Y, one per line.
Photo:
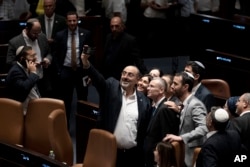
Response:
column 121, row 49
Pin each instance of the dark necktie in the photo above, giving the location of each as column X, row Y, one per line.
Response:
column 153, row 110
column 73, row 52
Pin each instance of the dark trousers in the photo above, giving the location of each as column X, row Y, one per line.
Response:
column 70, row 80
column 130, row 157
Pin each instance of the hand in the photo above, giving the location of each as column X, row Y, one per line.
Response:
column 172, row 105
column 45, row 63
column 31, row 66
column 171, row 138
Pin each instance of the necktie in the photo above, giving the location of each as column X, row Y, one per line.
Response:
column 153, row 110
column 49, row 28
column 73, row 52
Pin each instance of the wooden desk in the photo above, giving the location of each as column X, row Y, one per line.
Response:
column 15, row 156
column 86, row 119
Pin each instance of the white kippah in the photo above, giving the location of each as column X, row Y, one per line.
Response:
column 19, row 49
column 221, row 115
column 200, row 64
column 189, row 74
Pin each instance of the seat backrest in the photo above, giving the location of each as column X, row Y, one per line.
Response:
column 219, row 88
column 11, row 121
column 196, row 153
column 36, row 135
column 179, row 149
column 101, row 149
column 59, row 137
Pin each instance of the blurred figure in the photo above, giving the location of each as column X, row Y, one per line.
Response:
column 51, row 22
column 164, row 155
column 22, row 10
column 80, row 7
column 22, row 77
column 121, row 49
column 156, row 72
column 6, row 10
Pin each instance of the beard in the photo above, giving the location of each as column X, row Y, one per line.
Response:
column 125, row 84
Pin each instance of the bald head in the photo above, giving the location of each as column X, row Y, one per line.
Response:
column 117, row 26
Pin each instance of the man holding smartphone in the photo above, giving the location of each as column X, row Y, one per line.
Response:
column 22, row 77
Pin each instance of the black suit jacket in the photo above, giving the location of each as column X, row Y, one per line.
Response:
column 242, row 125
column 204, row 95
column 126, row 52
column 58, row 24
column 164, row 121
column 220, row 150
column 19, row 84
column 111, row 102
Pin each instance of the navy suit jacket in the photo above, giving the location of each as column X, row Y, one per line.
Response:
column 111, row 102
column 204, row 95
column 61, row 45
column 19, row 84
column 220, row 150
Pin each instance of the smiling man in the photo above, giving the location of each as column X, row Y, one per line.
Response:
column 124, row 111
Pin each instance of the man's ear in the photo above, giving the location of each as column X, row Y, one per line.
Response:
column 196, row 76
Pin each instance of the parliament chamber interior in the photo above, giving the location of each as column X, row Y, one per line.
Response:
column 220, row 43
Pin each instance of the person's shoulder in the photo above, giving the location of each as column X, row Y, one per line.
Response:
column 205, row 90
column 16, row 38
column 60, row 17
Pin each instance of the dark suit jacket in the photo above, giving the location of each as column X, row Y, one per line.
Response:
column 242, row 125
column 164, row 121
column 126, row 53
column 220, row 150
column 58, row 24
column 205, row 96
column 19, row 84
column 111, row 102
column 18, row 40
column 61, row 45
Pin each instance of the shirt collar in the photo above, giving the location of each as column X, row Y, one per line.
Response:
column 209, row 134
column 245, row 112
column 133, row 96
column 52, row 17
column 195, row 88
